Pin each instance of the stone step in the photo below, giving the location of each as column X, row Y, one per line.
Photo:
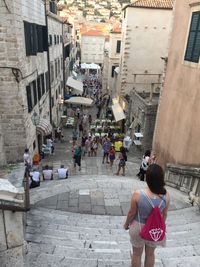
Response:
column 48, row 260
column 182, row 261
column 179, row 233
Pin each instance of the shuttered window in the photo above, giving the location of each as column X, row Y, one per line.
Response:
column 45, row 38
column 118, row 49
column 43, row 85
column 112, row 72
column 47, row 81
column 29, row 98
column 39, row 88
column 193, row 45
column 34, row 92
column 35, row 38
column 50, row 39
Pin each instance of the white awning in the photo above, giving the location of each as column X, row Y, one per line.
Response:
column 139, row 135
column 79, row 101
column 76, row 85
column 137, row 142
column 118, row 112
column 44, row 127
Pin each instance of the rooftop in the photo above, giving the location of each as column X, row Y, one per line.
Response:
column 157, row 4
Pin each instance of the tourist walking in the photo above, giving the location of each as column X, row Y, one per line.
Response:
column 77, row 156
column 144, row 165
column 122, row 161
column 106, row 147
column 142, row 204
column 112, row 155
column 88, row 144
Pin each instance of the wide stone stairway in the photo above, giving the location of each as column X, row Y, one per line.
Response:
column 79, row 222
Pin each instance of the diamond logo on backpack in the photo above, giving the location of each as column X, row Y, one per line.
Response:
column 155, row 227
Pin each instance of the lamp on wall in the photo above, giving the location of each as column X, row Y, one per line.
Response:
column 35, row 118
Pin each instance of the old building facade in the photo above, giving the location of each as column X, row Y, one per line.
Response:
column 23, row 74
column 146, row 29
column 25, row 89
column 176, row 138
column 111, row 59
column 55, row 32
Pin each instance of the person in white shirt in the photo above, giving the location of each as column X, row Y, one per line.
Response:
column 47, row 173
column 62, row 172
column 35, row 178
column 27, row 159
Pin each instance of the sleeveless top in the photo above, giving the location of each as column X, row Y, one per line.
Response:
column 145, row 207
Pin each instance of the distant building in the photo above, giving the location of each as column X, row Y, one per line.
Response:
column 177, row 132
column 146, row 30
column 92, row 43
column 112, row 59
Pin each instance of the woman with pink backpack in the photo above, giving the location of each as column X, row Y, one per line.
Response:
column 146, row 217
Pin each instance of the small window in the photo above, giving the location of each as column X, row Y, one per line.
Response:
column 55, row 39
column 50, row 39
column 52, row 102
column 52, row 72
column 118, row 49
column 193, row 45
column 39, row 88
column 58, row 39
column 113, row 69
column 33, row 84
column 47, row 81
column 43, row 86
column 61, row 38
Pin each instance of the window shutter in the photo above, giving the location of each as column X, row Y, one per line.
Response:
column 47, row 81
column 34, row 41
column 193, row 45
column 118, row 46
column 39, row 38
column 43, row 87
column 27, row 38
column 113, row 69
column 39, row 88
column 34, row 92
column 55, row 39
column 45, row 38
column 29, row 100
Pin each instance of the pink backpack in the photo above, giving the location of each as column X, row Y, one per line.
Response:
column 155, row 227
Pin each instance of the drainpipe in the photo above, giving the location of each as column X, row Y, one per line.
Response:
column 48, row 61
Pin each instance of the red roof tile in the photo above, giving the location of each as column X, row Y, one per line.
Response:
column 160, row 4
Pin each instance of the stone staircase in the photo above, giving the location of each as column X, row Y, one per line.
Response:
column 57, row 238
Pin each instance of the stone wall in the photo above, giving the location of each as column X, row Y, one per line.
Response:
column 17, row 127
column 142, row 113
column 11, row 225
column 56, row 57
column 186, row 179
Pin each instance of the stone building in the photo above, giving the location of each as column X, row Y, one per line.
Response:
column 142, row 117
column 176, row 138
column 55, row 32
column 112, row 59
column 146, row 27
column 25, row 108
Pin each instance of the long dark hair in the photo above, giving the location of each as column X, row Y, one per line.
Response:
column 155, row 179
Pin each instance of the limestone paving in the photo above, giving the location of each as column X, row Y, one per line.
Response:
column 79, row 221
